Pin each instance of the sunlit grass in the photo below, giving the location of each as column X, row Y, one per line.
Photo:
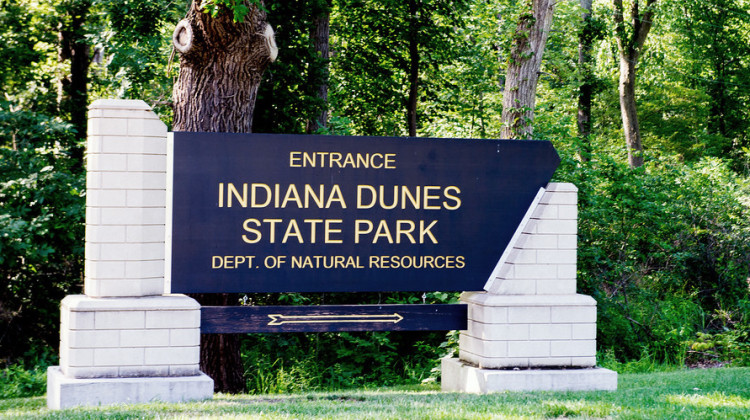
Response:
column 711, row 400
column 687, row 394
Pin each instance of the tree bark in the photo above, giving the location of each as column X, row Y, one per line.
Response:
column 319, row 34
column 221, row 63
column 411, row 109
column 629, row 113
column 221, row 356
column 630, row 44
column 519, row 96
column 74, row 97
column 586, row 88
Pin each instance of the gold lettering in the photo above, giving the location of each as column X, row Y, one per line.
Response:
column 339, row 261
column 247, row 228
column 309, row 192
column 372, row 161
column 313, row 223
column 291, row 195
column 439, row 264
column 254, row 195
column 358, row 231
column 429, row 261
column 395, row 261
column 414, row 199
column 336, row 196
column 330, row 230
column 382, row 231
column 460, row 263
column 404, row 231
column 233, row 191
column 449, row 261
column 308, row 159
column 294, row 158
column 455, row 199
column 292, row 226
column 390, row 161
column 335, row 158
column 426, row 231
column 297, row 261
column 342, row 160
column 374, row 261
column 272, row 229
column 361, row 188
column 395, row 198
column 428, row 197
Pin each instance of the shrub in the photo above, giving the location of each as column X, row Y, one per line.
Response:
column 41, row 226
column 659, row 247
column 17, row 382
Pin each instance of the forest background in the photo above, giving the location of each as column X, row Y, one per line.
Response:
column 664, row 245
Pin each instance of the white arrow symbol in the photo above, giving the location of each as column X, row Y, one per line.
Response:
column 278, row 319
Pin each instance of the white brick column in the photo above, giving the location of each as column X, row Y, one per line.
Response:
column 124, row 340
column 126, row 198
column 530, row 316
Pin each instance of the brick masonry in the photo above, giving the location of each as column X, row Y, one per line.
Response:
column 530, row 331
column 530, row 315
column 125, row 340
column 542, row 259
column 126, row 199
column 127, row 337
column 506, row 331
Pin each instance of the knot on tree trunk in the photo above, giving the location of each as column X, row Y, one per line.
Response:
column 182, row 38
column 221, row 64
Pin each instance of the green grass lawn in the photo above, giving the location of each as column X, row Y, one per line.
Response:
column 686, row 394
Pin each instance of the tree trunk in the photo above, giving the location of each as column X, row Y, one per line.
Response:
column 586, row 88
column 411, row 110
column 629, row 113
column 221, row 356
column 74, row 47
column 629, row 44
column 319, row 34
column 221, row 63
column 519, row 96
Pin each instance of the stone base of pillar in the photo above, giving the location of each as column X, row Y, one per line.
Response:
column 64, row 392
column 459, row 376
column 529, row 331
column 128, row 350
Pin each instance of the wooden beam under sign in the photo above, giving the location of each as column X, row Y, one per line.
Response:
column 326, row 318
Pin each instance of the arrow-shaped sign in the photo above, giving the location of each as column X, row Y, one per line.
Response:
column 279, row 319
column 279, row 213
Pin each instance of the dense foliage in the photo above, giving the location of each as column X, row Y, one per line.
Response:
column 41, row 226
column 665, row 248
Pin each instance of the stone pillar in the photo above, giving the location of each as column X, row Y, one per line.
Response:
column 530, row 330
column 125, row 341
column 126, row 164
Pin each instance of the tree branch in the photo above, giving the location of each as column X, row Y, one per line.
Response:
column 645, row 22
